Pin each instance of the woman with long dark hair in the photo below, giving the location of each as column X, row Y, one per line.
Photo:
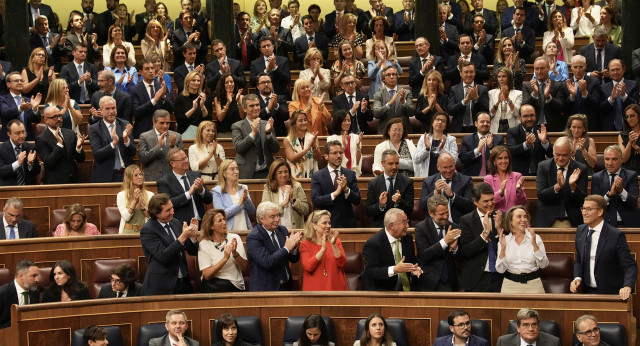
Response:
column 64, row 284
column 375, row 332
column 313, row 332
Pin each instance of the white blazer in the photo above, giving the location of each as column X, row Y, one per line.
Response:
column 422, row 157
column 512, row 116
column 404, row 163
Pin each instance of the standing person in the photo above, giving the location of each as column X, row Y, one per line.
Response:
column 19, row 164
column 311, row 38
column 142, row 20
column 293, row 21
column 233, row 197
column 466, row 55
column 301, row 146
column 348, row 33
column 431, row 99
column 245, row 40
column 188, row 35
column 147, row 97
column 583, row 94
column 395, row 139
column 162, row 16
column 448, row 33
column 59, row 96
column 107, row 84
column 489, row 17
column 133, row 201
column 105, row 20
column 506, row 56
column 467, row 99
column 277, row 67
column 351, row 142
column 558, row 70
column 125, row 74
column 284, row 190
column 609, row 22
column 527, row 143
column 405, row 21
column 476, row 147
column 616, row 95
column 599, row 54
column 187, row 66
column 508, row 185
column 504, row 101
column 223, row 64
column 281, row 36
column 483, row 43
column 22, row 290
column 272, row 105
column 392, row 101
column 523, row 37
column 14, row 105
column 585, row 17
column 628, row 138
column 379, row 57
column 389, row 190
column 577, row 131
column 52, row 43
column 155, row 144
column 79, row 34
column 116, row 38
column 346, row 63
column 206, row 154
column 560, row 34
column 36, row 75
column 81, row 76
column 227, row 104
column 546, row 96
column 422, row 65
column 190, row 109
column 314, row 108
column 318, row 77
column 354, row 103
column 378, row 26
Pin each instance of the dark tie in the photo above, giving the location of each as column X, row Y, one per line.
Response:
column 586, row 257
column 532, row 162
column 612, row 211
column 183, row 263
column 390, row 193
column 45, row 41
column 492, row 249
column 561, row 207
column 284, row 277
column 82, row 90
column 516, row 43
column 117, row 165
column 599, row 60
column 187, row 33
column 336, row 174
column 578, row 98
column 185, row 183
column 350, row 102
column 612, row 177
column 541, row 102
column 310, row 38
column 20, row 170
column 118, row 294
column 468, row 116
column 424, row 61
column 25, row 294
column 617, row 110
column 152, row 90
column 87, row 19
column 258, row 142
column 444, row 275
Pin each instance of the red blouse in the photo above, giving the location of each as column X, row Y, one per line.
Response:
column 314, row 278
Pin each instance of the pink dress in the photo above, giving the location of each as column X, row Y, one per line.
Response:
column 511, row 197
column 90, row 229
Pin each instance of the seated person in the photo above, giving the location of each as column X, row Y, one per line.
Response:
column 313, row 332
column 75, row 223
column 587, row 331
column 375, row 332
column 94, row 336
column 228, row 333
column 64, row 284
column 123, row 283
column 528, row 325
column 460, row 327
column 13, row 223
column 176, row 325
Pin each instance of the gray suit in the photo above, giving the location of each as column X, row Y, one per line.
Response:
column 246, row 151
column 153, row 157
column 544, row 339
column 164, row 341
column 385, row 113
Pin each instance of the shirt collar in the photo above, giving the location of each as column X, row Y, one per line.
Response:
column 390, row 238
column 146, row 85
column 598, row 227
column 386, row 177
column 107, row 124
column 178, row 176
column 13, row 96
column 19, row 288
column 394, row 89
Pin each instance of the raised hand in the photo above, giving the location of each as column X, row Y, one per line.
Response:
column 559, row 180
column 520, row 183
column 161, row 139
column 31, row 156
column 269, row 126
column 382, row 199
column 571, row 86
column 534, row 87
column 574, row 177
column 114, row 137
column 79, row 142
column 542, row 133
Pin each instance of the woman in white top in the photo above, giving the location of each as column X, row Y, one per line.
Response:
column 301, row 146
column 521, row 254
column 351, row 143
column 395, row 139
column 233, row 197
column 133, row 200
column 432, row 144
column 113, row 39
column 585, row 17
column 283, row 190
column 560, row 34
column 320, row 78
column 379, row 25
column 206, row 153
column 221, row 255
column 292, row 22
column 156, row 40
column 504, row 102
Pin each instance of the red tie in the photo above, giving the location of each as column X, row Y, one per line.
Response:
column 245, row 59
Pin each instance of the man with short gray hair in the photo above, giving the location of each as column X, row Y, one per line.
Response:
column 154, row 145
column 107, row 84
column 587, row 331
column 528, row 324
column 14, row 227
column 176, row 325
column 389, row 190
column 583, row 93
column 599, row 53
column 456, row 187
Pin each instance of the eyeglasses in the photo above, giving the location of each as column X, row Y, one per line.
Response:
column 59, row 116
column 462, row 325
column 592, row 332
column 530, row 325
column 181, row 160
column 587, row 210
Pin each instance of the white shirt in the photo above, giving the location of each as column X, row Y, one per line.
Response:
column 524, row 343
column 624, row 98
column 146, row 87
column 392, row 243
column 111, row 144
column 19, row 291
column 7, row 231
column 189, row 65
column 13, row 96
column 521, row 258
column 592, row 253
column 188, row 195
column 209, row 255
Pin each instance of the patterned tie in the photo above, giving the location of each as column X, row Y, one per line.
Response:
column 152, row 90
column 406, row 286
column 350, row 102
column 310, row 38
column 117, row 165
column 336, row 174
column 20, row 170
column 19, row 103
column 45, row 41
column 468, row 112
column 586, row 258
column 82, row 86
column 190, row 67
column 12, row 232
column 424, row 61
column 444, row 274
column 483, row 170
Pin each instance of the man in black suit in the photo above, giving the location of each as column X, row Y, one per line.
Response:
column 277, row 67
column 355, row 103
column 619, row 187
column 142, row 19
column 15, row 106
column 457, row 188
column 454, row 17
column 437, row 243
column 79, row 34
column 421, row 64
column 164, row 240
column 38, row 9
column 335, row 188
column 449, row 36
column 245, row 41
column 147, row 97
column 583, row 94
column 613, row 270
column 188, row 34
column 508, row 15
column 123, row 283
column 454, row 65
column 528, row 143
column 81, row 76
column 105, row 20
column 281, row 37
column 272, row 106
column 5, row 68
column 332, row 20
column 222, row 64
column 561, row 183
column 467, row 99
column 390, row 261
column 51, row 42
column 18, row 161
column 185, row 187
column 405, row 20
column 522, row 36
column 616, row 96
column 599, row 54
column 59, row 149
column 377, row 8
column 189, row 64
column 13, row 224
column 476, row 147
column 483, row 43
column 546, row 96
column 490, row 19
column 310, row 39
column 107, row 84
column 389, row 190
column 22, row 290
column 479, row 243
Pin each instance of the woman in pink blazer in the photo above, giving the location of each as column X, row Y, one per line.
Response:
column 508, row 185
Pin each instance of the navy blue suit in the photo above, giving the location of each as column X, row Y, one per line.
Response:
column 490, row 21
column 531, row 15
column 267, row 262
column 528, row 36
column 57, row 52
column 104, row 155
column 9, row 177
column 405, row 31
column 552, row 205
column 70, row 74
column 487, row 50
column 279, row 115
column 182, row 206
column 302, row 46
column 358, row 120
column 432, row 258
column 473, row 340
column 611, row 51
column 589, row 106
column 473, row 164
column 521, row 157
column 123, row 105
column 450, row 47
column 179, row 74
column 9, row 111
column 59, row 163
column 330, row 25
column 627, row 209
column 377, row 186
column 482, row 71
column 252, row 51
column 608, row 111
column 283, row 47
column 461, row 186
column 457, row 110
column 379, row 256
column 179, row 39
column 415, row 76
column 143, row 108
column 341, row 208
column 212, row 72
column 280, row 77
column 26, row 229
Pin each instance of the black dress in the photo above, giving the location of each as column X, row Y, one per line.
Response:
column 423, row 103
column 634, row 160
column 182, row 106
column 42, row 87
column 233, row 115
column 51, row 295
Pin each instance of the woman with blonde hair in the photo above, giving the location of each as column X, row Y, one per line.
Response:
column 301, row 146
column 133, row 200
column 36, row 75
column 319, row 77
column 317, row 114
column 284, row 190
column 75, row 223
column 431, row 99
column 159, row 73
column 190, row 106
column 376, row 66
column 156, row 40
column 504, row 102
column 507, row 56
column 59, row 96
column 559, row 33
column 346, row 63
column 126, row 75
column 206, row 153
column 233, row 197
column 323, row 270
column 115, row 37
column 260, row 17
column 348, row 32
column 577, row 131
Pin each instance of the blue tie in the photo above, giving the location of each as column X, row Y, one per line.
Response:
column 19, row 102
column 82, row 92
column 444, row 275
column 578, row 98
column 12, row 232
column 391, row 93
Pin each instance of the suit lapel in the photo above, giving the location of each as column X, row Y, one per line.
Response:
column 604, row 234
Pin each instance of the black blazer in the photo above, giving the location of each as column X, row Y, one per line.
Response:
column 552, row 205
column 9, row 111
column 280, row 77
column 51, row 295
column 143, row 108
column 341, row 207
column 487, row 50
column 531, row 14
column 123, row 105
column 212, row 72
column 457, row 110
column 490, row 22
column 422, row 103
column 450, row 47
column 377, row 186
column 252, row 51
column 482, row 72
column 405, row 31
column 8, row 297
column 521, row 157
column 26, row 229
column 588, row 106
column 628, row 209
column 106, row 291
column 456, row 20
column 182, row 206
column 330, row 25
column 608, row 111
column 302, row 46
column 285, row 45
column 527, row 47
column 474, row 249
column 103, row 155
column 70, row 74
column 415, row 76
column 473, row 164
column 379, row 256
column 57, row 52
column 59, row 163
column 432, row 257
column 179, row 74
column 461, row 186
column 556, row 120
column 614, row 268
column 611, row 51
column 179, row 38
column 9, row 177
column 279, row 115
column 358, row 120
column 44, row 10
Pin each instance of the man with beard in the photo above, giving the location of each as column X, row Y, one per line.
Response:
column 89, row 16
column 23, row 290
column 245, row 41
column 460, row 327
column 272, row 106
column 527, row 143
column 79, row 34
column 18, row 162
column 282, row 38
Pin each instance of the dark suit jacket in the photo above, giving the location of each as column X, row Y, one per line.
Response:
column 9, row 177
column 521, row 157
column 416, row 78
column 285, row 45
column 59, row 163
column 280, row 77
column 628, row 209
column 56, row 53
column 178, row 40
column 279, row 115
column 7, row 68
column 364, row 19
column 212, row 72
column 588, row 106
column 9, row 111
column 487, row 50
column 106, row 291
column 457, row 110
column 475, row 250
column 141, row 20
column 482, row 72
column 544, row 339
column 26, row 229
column 103, row 155
column 405, row 31
column 103, row 21
column 611, row 51
column 8, row 297
column 432, row 257
column 473, row 340
column 44, row 10
column 490, row 22
column 425, row 118
column 552, row 205
column 266, row 260
column 123, row 105
column 330, row 25
column 527, row 48
column 246, row 151
column 341, row 207
column 379, row 256
column 473, row 164
column 179, row 74
column 182, row 206
column 164, row 256
column 607, row 110
column 143, row 108
column 70, row 74
column 252, row 51
column 358, row 120
column 461, row 186
column 531, row 16
column 553, row 108
column 450, row 47
column 302, row 46
column 377, row 186
column 72, row 41
column 614, row 267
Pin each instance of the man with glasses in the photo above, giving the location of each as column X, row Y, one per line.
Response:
column 272, row 106
column 423, row 63
column 107, row 84
column 529, row 334
column 587, row 331
column 123, row 283
column 14, row 105
column 528, row 143
column 391, row 101
column 603, row 263
column 277, row 67
column 460, row 327
column 354, row 102
column 483, row 42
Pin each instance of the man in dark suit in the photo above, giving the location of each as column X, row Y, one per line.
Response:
column 599, row 53
column 5, row 69
column 277, row 67
column 18, row 161
column 189, row 64
column 37, row 9
column 123, row 283
column 561, row 183
column 377, row 8
column 528, row 143
column 60, row 149
column 81, row 76
column 546, row 96
column 490, row 19
column 392, row 101
column 23, row 290
column 51, row 42
column 405, row 21
column 13, row 224
column 390, row 261
column 176, row 325
column 507, row 15
column 185, row 187
column 154, row 145
column 142, row 19
column 332, row 21
column 389, row 190
column 449, row 36
column 355, row 103
column 522, row 36
column 454, row 17
column 335, row 188
column 437, row 243
column 310, row 39
column 583, row 94
column 454, row 65
column 460, row 327
column 105, row 20
column 147, row 97
column 164, row 240
column 619, row 187
column 272, row 106
column 457, row 188
column 483, row 43
column 111, row 144
column 528, row 324
column 79, row 34
column 106, row 82
column 188, row 34
column 281, row 37
column 254, row 141
column 270, row 249
column 616, row 96
column 476, row 147
column 15, row 106
column 467, row 99
column 421, row 64
column 245, row 49
column 223, row 64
